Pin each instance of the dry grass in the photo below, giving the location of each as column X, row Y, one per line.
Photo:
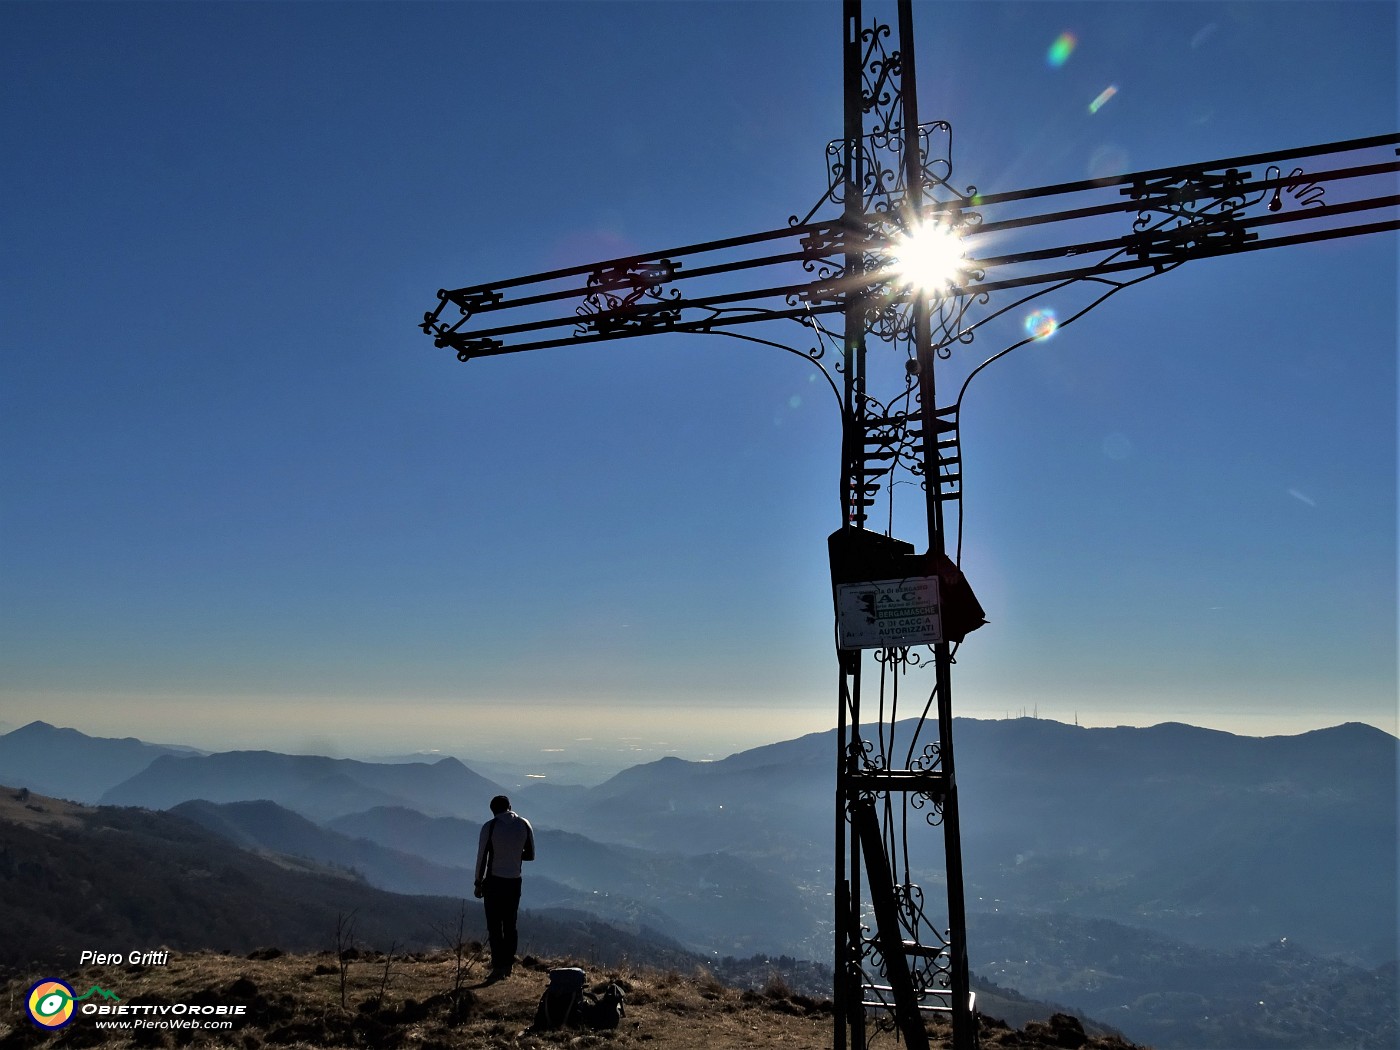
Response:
column 294, row 1001
column 18, row 806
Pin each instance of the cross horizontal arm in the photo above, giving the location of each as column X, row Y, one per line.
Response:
column 1141, row 222
column 1296, row 153
column 1179, row 239
column 628, row 261
column 1193, row 211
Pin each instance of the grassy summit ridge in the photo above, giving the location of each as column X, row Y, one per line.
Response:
column 427, row 1001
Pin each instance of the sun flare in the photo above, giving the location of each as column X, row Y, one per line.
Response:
column 929, row 258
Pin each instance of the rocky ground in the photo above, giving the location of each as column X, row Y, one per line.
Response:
column 434, row 1001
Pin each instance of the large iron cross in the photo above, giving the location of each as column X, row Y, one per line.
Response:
column 889, row 255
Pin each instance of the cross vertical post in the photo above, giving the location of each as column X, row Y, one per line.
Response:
column 964, row 1024
column 903, row 967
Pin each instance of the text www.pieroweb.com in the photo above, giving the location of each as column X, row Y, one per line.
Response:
column 129, row 1016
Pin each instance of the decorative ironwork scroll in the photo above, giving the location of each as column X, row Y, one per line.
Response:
column 610, row 307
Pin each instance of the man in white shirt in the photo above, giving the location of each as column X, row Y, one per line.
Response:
column 506, row 841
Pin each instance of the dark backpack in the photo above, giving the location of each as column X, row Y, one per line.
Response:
column 605, row 1010
column 559, row 1006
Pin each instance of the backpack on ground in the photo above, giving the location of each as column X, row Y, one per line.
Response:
column 559, row 1005
column 605, row 1010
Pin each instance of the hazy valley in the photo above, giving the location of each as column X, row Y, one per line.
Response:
column 1189, row 887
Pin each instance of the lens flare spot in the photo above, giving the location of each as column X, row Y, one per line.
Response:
column 1104, row 95
column 1060, row 50
column 1041, row 324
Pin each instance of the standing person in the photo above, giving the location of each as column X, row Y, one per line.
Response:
column 506, row 840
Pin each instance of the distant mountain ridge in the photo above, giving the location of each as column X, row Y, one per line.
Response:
column 69, row 764
column 317, row 787
column 265, row 827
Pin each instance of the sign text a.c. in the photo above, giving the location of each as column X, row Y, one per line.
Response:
column 880, row 614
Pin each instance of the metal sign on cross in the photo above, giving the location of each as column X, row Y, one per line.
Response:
column 895, row 253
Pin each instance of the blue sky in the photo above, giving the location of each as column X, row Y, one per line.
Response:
column 246, row 503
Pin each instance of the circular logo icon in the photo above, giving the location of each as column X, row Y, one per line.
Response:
column 50, row 1004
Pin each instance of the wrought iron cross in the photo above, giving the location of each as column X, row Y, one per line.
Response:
column 839, row 273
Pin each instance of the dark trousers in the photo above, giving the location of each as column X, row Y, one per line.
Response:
column 501, row 898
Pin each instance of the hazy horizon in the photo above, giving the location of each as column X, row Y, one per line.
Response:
column 594, row 739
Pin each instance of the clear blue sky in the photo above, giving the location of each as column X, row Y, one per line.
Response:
column 246, row 503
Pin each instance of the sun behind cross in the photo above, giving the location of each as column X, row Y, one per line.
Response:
column 929, row 258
